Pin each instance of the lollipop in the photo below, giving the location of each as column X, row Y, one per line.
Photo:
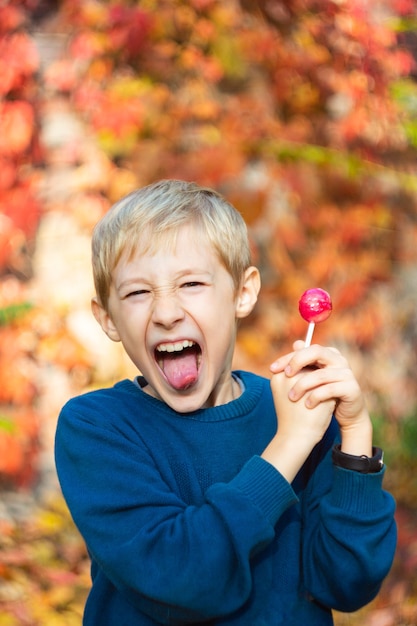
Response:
column 315, row 306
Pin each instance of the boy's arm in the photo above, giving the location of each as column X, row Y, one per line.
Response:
column 349, row 527
column 349, row 537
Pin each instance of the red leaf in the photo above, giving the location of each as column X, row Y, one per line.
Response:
column 11, row 17
column 19, row 59
column 20, row 205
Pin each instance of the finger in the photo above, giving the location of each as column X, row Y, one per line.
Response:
column 321, row 384
column 341, row 392
column 298, row 345
column 314, row 356
column 281, row 363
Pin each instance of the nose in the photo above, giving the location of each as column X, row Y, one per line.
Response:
column 167, row 310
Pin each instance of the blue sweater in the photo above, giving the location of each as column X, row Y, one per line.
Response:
column 186, row 523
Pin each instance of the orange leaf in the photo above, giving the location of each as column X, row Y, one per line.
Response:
column 16, row 127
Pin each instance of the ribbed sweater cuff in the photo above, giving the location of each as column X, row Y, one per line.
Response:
column 266, row 487
column 355, row 491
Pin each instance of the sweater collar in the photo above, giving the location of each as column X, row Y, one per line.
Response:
column 255, row 387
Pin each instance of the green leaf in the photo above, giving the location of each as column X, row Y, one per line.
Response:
column 12, row 312
column 6, row 424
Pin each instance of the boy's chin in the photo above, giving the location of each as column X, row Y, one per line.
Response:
column 179, row 401
column 185, row 403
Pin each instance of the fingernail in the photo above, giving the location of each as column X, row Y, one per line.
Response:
column 288, row 370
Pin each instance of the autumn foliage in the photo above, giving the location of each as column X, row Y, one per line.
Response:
column 24, row 330
column 302, row 112
column 19, row 214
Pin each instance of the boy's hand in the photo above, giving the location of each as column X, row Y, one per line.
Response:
column 308, row 385
column 325, row 375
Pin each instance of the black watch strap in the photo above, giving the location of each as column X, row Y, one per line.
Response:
column 363, row 464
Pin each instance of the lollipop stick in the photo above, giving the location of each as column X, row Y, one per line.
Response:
column 309, row 335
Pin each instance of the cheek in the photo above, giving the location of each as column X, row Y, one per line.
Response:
column 223, row 334
column 132, row 328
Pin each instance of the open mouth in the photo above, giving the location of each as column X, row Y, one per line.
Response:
column 180, row 362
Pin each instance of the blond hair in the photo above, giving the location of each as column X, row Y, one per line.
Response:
column 152, row 216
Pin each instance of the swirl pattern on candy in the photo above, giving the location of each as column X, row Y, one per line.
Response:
column 315, row 305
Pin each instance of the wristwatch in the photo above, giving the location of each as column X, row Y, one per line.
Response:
column 363, row 464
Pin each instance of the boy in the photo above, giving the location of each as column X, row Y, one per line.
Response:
column 207, row 496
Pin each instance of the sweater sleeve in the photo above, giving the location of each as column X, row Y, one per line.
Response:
column 350, row 536
column 156, row 549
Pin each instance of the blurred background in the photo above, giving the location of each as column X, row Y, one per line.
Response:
column 303, row 113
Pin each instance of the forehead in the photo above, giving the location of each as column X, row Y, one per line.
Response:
column 184, row 242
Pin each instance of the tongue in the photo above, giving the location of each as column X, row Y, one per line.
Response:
column 181, row 369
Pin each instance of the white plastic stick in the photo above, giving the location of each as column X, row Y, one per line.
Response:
column 309, row 335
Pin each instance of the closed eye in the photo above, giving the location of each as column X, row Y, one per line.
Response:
column 137, row 292
column 192, row 283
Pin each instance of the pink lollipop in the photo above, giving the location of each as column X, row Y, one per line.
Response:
column 315, row 306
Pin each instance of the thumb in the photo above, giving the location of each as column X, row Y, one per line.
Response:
column 299, row 344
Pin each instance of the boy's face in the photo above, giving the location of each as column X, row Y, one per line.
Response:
column 175, row 312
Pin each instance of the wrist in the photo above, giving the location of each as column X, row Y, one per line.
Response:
column 356, row 439
column 286, row 455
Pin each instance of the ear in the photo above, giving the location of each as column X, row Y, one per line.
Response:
column 248, row 292
column 104, row 319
